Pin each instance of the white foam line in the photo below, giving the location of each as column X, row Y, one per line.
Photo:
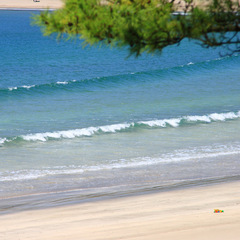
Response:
column 2, row 140
column 12, row 88
column 172, row 122
column 27, row 87
column 176, row 156
column 62, row 83
column 24, row 86
column 76, row 132
column 31, row 86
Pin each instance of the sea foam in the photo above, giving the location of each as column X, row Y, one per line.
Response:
column 174, row 122
column 24, row 86
column 76, row 132
column 180, row 155
column 63, row 83
column 2, row 141
column 158, row 123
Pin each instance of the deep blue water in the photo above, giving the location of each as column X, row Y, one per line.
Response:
column 66, row 111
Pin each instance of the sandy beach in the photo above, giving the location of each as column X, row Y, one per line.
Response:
column 30, row 4
column 180, row 214
column 90, row 124
column 44, row 4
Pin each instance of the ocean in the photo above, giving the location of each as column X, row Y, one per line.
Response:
column 96, row 122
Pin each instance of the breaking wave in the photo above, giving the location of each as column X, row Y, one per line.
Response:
column 90, row 131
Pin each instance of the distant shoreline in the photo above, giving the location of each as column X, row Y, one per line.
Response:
column 54, row 9
column 50, row 4
column 30, row 5
column 27, row 9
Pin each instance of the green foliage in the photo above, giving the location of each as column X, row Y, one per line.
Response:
column 144, row 25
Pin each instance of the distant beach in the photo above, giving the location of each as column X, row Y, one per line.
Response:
column 50, row 4
column 30, row 4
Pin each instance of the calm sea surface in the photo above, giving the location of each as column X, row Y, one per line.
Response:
column 93, row 120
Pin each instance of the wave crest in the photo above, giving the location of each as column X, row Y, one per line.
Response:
column 90, row 131
column 76, row 132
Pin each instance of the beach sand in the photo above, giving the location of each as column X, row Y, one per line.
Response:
column 30, row 4
column 54, row 4
column 179, row 214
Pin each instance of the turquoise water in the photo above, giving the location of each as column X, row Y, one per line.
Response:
column 87, row 119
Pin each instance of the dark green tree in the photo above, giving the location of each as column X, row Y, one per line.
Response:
column 146, row 25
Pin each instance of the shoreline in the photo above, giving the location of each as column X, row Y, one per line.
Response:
column 27, row 9
column 45, row 200
column 178, row 214
column 30, row 5
column 54, row 5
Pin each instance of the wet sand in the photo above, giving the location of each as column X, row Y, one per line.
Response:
column 179, row 214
